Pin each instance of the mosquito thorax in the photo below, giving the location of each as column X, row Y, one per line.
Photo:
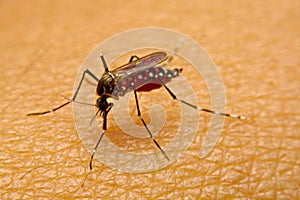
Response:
column 106, row 84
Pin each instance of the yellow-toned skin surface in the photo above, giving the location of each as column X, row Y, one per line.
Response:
column 255, row 45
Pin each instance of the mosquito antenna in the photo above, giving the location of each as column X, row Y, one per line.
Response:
column 94, row 117
column 104, row 62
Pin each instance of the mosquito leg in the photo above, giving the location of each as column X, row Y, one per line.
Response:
column 104, row 62
column 73, row 98
column 96, row 147
column 202, row 109
column 145, row 125
column 102, row 133
column 104, row 114
column 133, row 57
column 134, row 109
column 87, row 71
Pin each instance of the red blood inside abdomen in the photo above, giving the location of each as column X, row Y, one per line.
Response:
column 148, row 87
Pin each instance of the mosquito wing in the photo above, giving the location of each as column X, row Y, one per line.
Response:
column 144, row 74
column 142, row 63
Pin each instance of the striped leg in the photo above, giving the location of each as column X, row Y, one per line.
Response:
column 145, row 125
column 202, row 109
column 73, row 98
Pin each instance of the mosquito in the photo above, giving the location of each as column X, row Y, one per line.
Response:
column 140, row 74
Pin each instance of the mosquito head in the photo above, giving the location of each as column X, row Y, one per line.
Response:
column 103, row 105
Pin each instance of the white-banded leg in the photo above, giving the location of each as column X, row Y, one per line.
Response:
column 88, row 72
column 202, row 109
column 145, row 125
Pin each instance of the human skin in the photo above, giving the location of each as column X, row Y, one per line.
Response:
column 255, row 46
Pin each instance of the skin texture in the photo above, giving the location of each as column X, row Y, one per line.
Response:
column 255, row 45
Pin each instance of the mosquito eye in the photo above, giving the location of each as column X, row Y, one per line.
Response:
column 100, row 90
column 98, row 101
